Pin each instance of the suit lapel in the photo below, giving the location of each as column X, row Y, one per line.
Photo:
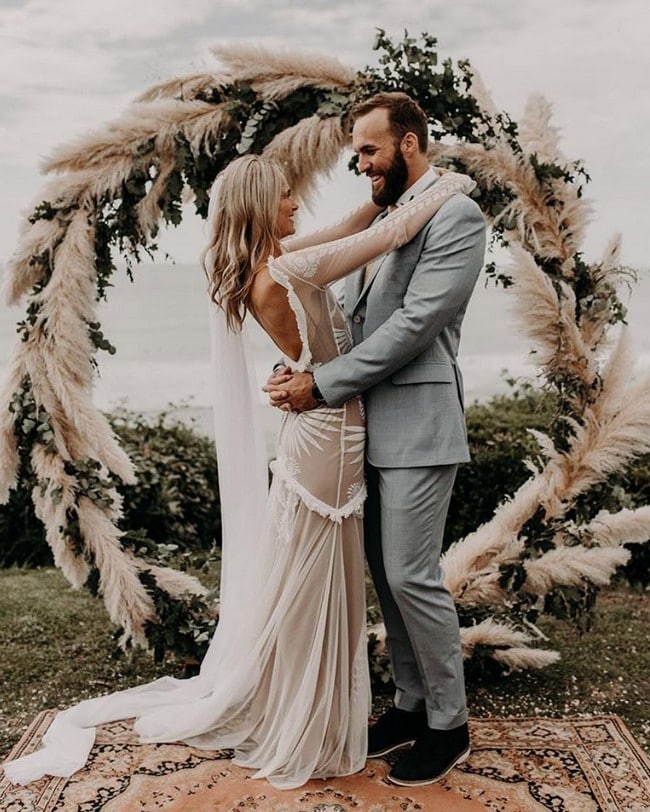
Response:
column 363, row 290
column 359, row 290
column 354, row 287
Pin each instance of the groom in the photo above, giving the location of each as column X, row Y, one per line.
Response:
column 405, row 314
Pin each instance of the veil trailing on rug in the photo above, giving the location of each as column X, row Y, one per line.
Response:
column 171, row 709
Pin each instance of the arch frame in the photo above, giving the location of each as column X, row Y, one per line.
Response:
column 109, row 192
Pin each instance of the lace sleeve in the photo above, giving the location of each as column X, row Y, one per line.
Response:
column 323, row 264
column 352, row 223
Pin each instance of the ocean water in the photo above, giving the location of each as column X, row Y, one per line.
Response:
column 159, row 325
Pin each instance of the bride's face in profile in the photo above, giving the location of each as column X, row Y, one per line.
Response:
column 288, row 207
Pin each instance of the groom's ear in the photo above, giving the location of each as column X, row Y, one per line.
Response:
column 409, row 144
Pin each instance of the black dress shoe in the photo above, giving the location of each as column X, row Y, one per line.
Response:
column 432, row 756
column 394, row 729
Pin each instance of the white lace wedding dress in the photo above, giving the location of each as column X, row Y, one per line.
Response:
column 288, row 689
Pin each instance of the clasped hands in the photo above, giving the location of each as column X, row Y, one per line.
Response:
column 290, row 391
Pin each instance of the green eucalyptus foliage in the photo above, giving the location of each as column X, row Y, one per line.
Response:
column 184, row 627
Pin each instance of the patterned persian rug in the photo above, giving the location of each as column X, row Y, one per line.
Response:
column 517, row 765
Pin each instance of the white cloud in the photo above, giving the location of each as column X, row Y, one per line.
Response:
column 70, row 65
column 31, row 134
column 117, row 22
column 82, row 44
column 66, row 65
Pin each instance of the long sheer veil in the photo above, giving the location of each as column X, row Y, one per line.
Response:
column 243, row 474
column 170, row 709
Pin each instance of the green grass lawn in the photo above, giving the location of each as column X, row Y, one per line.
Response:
column 57, row 649
column 605, row 670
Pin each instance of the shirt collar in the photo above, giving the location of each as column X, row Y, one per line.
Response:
column 419, row 186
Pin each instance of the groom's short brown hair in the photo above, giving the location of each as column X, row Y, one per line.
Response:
column 404, row 115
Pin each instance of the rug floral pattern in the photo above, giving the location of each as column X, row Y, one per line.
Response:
column 517, row 765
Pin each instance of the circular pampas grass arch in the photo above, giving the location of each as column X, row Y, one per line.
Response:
column 109, row 192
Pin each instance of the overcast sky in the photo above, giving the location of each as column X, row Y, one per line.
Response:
column 67, row 66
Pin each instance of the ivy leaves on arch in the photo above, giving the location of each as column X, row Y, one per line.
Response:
column 108, row 194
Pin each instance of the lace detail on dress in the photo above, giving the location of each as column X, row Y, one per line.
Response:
column 282, row 505
column 353, row 507
column 305, row 264
column 350, row 223
column 360, row 689
column 355, row 442
column 310, row 431
column 353, row 497
column 343, row 339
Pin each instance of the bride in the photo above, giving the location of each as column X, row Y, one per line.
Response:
column 285, row 680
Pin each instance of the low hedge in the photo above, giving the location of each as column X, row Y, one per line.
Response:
column 175, row 501
column 499, row 443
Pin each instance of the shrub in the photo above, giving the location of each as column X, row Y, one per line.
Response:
column 176, row 496
column 499, row 443
column 175, row 501
column 22, row 536
column 174, row 506
column 636, row 485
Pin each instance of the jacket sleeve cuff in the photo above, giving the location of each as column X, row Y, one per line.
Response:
column 326, row 379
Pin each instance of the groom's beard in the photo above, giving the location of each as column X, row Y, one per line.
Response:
column 394, row 182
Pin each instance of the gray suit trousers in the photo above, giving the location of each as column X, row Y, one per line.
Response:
column 404, row 522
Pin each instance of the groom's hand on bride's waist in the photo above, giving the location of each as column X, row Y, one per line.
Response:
column 291, row 392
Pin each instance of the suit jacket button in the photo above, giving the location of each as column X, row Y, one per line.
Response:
column 357, row 319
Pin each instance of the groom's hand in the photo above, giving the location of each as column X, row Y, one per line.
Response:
column 294, row 394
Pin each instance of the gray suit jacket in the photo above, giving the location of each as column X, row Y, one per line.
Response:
column 406, row 329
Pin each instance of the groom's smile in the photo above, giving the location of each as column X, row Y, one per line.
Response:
column 380, row 156
column 389, row 184
column 377, row 182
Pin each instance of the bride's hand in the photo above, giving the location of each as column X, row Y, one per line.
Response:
column 293, row 396
column 280, row 374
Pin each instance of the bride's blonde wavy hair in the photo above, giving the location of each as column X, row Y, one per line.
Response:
column 243, row 220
